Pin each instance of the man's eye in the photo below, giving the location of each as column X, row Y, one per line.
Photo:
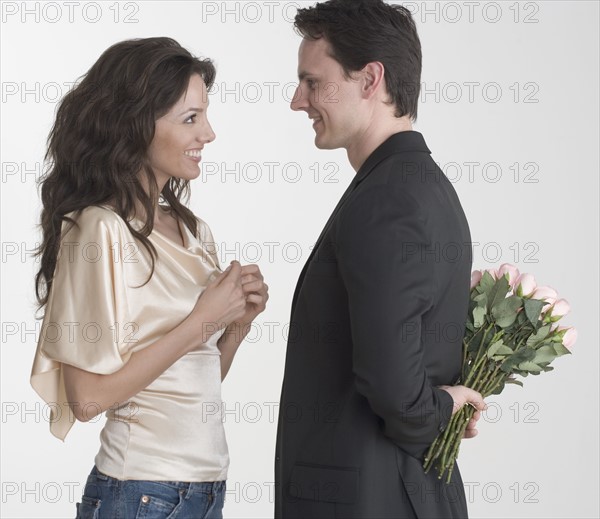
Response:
column 191, row 118
column 311, row 84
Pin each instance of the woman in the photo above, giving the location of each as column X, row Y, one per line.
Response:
column 139, row 320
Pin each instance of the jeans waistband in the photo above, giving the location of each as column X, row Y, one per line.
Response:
column 204, row 487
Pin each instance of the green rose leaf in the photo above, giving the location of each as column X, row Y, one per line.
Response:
column 514, row 381
column 497, row 390
column 560, row 349
column 522, row 319
column 481, row 300
column 505, row 312
column 474, row 345
column 538, row 336
column 498, row 292
column 530, row 366
column 533, row 309
column 491, row 351
column 517, row 358
column 546, row 353
column 478, row 316
column 498, row 350
column 486, row 283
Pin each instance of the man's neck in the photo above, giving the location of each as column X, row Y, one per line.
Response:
column 372, row 137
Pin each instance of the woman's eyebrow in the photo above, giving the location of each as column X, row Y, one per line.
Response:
column 192, row 109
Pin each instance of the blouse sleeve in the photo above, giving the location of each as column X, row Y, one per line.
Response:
column 86, row 318
column 207, row 240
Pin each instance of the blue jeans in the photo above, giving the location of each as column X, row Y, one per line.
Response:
column 109, row 498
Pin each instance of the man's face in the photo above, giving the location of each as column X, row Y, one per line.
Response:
column 329, row 99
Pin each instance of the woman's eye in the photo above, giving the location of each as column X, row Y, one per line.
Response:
column 191, row 119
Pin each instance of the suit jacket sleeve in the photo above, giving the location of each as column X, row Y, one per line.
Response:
column 382, row 241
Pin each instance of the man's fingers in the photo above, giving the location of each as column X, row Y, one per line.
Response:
column 462, row 395
column 476, row 400
column 470, row 433
column 471, row 429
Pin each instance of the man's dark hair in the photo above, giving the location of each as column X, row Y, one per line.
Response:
column 362, row 31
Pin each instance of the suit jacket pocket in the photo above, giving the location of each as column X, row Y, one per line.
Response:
column 324, row 483
column 429, row 496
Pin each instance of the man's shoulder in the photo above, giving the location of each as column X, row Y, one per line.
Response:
column 410, row 169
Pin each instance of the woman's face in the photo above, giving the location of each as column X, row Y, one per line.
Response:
column 180, row 135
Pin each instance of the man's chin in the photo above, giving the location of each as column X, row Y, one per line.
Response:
column 323, row 144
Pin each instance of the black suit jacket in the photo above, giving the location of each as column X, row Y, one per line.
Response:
column 377, row 323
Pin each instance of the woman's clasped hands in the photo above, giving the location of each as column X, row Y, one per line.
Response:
column 232, row 300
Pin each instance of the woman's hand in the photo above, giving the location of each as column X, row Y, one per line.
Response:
column 221, row 303
column 256, row 292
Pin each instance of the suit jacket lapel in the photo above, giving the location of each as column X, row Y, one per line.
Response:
column 318, row 242
column 358, row 178
column 398, row 142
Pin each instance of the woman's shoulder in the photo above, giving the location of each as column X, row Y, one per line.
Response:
column 97, row 219
column 203, row 231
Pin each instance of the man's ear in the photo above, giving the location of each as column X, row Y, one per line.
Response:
column 373, row 76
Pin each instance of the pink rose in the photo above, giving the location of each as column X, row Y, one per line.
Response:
column 544, row 293
column 475, row 278
column 547, row 294
column 525, row 285
column 511, row 270
column 492, row 272
column 569, row 338
column 559, row 309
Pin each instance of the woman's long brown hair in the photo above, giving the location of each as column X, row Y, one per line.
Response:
column 97, row 148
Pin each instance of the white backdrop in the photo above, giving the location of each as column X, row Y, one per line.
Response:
column 510, row 110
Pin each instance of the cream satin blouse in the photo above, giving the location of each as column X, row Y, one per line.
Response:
column 98, row 315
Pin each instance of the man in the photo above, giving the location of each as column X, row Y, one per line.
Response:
column 378, row 313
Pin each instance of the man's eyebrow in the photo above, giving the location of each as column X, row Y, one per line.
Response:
column 302, row 75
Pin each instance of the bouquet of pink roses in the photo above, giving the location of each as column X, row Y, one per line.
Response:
column 512, row 329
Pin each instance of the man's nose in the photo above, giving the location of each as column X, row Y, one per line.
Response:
column 300, row 100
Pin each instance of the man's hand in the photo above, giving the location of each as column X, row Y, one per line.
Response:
column 471, row 430
column 462, row 395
